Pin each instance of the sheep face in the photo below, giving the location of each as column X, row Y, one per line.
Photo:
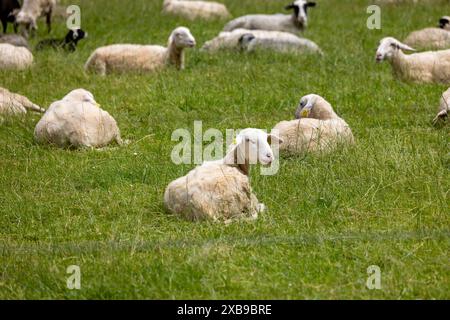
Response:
column 314, row 106
column 253, row 146
column 182, row 38
column 75, row 35
column 444, row 23
column 388, row 47
column 27, row 22
column 245, row 40
column 300, row 8
column 80, row 95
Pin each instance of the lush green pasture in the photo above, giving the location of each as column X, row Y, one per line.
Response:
column 384, row 202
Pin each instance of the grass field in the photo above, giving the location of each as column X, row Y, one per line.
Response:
column 384, row 202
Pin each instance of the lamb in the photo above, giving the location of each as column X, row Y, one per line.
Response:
column 423, row 67
column 431, row 38
column 16, row 104
column 317, row 128
column 8, row 12
column 69, row 43
column 192, row 10
column 14, row 58
column 31, row 11
column 15, row 40
column 444, row 107
column 220, row 190
column 293, row 23
column 233, row 40
column 77, row 121
column 248, row 42
column 142, row 58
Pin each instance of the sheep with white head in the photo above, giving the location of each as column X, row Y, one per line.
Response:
column 220, row 190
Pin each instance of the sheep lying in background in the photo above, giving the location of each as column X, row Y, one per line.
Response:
column 14, row 104
column 14, row 40
column 142, row 58
column 317, row 128
column 444, row 107
column 423, row 67
column 69, row 43
column 31, row 11
column 220, row 190
column 14, row 58
column 431, row 38
column 293, row 23
column 272, row 40
column 249, row 42
column 8, row 12
column 196, row 9
column 77, row 121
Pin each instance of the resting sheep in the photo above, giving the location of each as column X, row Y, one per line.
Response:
column 192, row 10
column 444, row 107
column 141, row 58
column 69, row 43
column 31, row 11
column 233, row 40
column 293, row 23
column 14, row 104
column 220, row 190
column 317, row 128
column 77, row 121
column 14, row 40
column 431, row 38
column 423, row 67
column 249, row 42
column 14, row 58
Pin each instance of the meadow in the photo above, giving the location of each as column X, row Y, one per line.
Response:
column 383, row 202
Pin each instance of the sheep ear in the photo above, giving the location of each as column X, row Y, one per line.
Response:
column 272, row 138
column 310, row 4
column 403, row 46
column 289, row 6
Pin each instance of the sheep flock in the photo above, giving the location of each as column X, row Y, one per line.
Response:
column 214, row 190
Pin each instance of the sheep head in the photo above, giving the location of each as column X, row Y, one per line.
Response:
column 316, row 107
column 80, row 95
column 252, row 146
column 300, row 8
column 245, row 40
column 26, row 21
column 181, row 37
column 388, row 47
column 444, row 23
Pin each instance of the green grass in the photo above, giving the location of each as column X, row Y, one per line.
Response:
column 384, row 202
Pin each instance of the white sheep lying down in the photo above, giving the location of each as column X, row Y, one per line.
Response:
column 14, row 58
column 196, row 9
column 220, row 190
column 14, row 104
column 444, row 107
column 250, row 40
column 141, row 58
column 77, row 121
column 293, row 23
column 431, row 38
column 317, row 128
column 423, row 67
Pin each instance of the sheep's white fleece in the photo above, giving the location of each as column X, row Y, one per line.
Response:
column 212, row 191
column 444, row 106
column 13, row 103
column 137, row 58
column 230, row 39
column 429, row 38
column 320, row 134
column 196, row 9
column 423, row 67
column 76, row 123
column 298, row 46
column 14, row 58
